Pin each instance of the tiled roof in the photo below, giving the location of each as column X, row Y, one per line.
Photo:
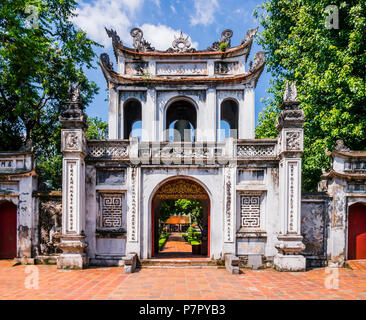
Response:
column 178, row 220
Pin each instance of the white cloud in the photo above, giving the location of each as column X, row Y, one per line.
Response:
column 94, row 16
column 161, row 36
column 157, row 3
column 173, row 8
column 118, row 14
column 205, row 12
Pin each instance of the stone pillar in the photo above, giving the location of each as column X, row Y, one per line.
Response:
column 247, row 114
column 290, row 142
column 115, row 123
column 149, row 116
column 73, row 147
column 207, row 118
column 133, row 213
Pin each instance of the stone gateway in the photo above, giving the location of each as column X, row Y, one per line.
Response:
column 181, row 126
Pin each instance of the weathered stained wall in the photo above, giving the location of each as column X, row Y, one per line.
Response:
column 49, row 225
column 314, row 209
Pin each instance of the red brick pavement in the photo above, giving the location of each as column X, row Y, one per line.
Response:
column 177, row 248
column 357, row 264
column 111, row 283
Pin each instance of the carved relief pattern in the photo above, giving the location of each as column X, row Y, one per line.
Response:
column 109, row 151
column 247, row 151
column 226, row 67
column 71, row 197
column 293, row 141
column 228, row 215
column 250, row 211
column 182, row 189
column 6, row 164
column 136, row 68
column 133, row 236
column 111, row 211
column 176, row 69
column 291, row 197
column 72, row 141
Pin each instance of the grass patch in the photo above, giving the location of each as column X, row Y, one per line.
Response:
column 163, row 239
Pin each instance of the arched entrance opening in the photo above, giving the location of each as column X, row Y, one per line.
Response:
column 357, row 231
column 175, row 190
column 181, row 121
column 132, row 124
column 229, row 119
column 8, row 230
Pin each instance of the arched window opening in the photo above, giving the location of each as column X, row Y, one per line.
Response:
column 181, row 121
column 229, row 119
column 132, row 124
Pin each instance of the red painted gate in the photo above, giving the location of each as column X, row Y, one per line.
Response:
column 8, row 230
column 357, row 232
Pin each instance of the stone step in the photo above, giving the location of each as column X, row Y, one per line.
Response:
column 178, row 263
column 357, row 264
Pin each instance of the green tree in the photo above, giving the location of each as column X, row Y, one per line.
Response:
column 182, row 207
column 97, row 129
column 40, row 53
column 328, row 66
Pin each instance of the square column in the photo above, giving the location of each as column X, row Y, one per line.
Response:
column 73, row 147
column 247, row 114
column 149, row 116
column 290, row 143
column 115, row 125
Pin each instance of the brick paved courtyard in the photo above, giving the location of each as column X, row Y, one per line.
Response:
column 111, row 283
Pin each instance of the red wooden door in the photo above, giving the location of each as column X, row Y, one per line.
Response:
column 357, row 232
column 8, row 230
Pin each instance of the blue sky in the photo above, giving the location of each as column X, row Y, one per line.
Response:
column 202, row 20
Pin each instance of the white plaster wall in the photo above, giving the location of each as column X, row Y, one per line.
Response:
column 90, row 210
column 269, row 207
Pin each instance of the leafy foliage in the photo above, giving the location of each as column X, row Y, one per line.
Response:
column 97, row 129
column 182, row 207
column 40, row 53
column 328, row 66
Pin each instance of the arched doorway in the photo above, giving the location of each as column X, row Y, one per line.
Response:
column 132, row 113
column 229, row 119
column 177, row 189
column 8, row 230
column 357, row 231
column 181, row 121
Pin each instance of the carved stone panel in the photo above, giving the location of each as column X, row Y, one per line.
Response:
column 110, row 213
column 71, row 194
column 292, row 140
column 181, row 68
column 182, row 189
column 133, row 217
column 73, row 141
column 250, row 211
column 229, row 205
column 222, row 67
column 136, row 68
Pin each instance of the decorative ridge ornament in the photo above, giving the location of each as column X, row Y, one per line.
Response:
column 104, row 58
column 73, row 115
column 114, row 36
column 290, row 95
column 139, row 43
column 340, row 146
column 225, row 38
column 250, row 34
column 259, row 61
column 181, row 44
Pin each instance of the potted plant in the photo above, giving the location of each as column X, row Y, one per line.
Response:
column 196, row 247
